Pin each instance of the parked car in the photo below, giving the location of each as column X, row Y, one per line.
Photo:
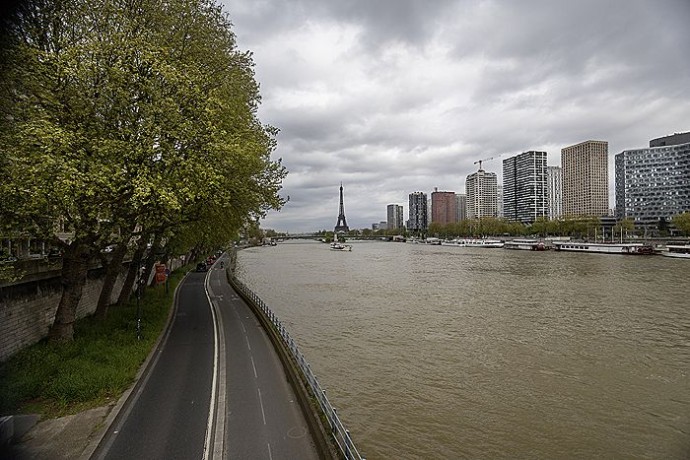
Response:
column 201, row 267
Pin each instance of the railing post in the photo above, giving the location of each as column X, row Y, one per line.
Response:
column 348, row 452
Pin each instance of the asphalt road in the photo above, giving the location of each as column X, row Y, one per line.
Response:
column 264, row 419
column 168, row 419
column 253, row 411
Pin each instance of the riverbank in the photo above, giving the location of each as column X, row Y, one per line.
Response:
column 89, row 375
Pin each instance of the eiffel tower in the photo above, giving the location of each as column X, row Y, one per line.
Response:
column 341, row 226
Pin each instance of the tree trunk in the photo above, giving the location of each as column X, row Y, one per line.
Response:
column 112, row 271
column 75, row 262
column 132, row 272
column 151, row 259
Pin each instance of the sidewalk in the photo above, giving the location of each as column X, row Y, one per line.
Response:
column 70, row 437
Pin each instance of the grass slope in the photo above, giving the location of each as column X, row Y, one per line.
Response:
column 93, row 370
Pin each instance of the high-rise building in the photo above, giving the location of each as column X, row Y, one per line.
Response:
column 444, row 209
column 482, row 194
column 674, row 139
column 418, row 221
column 394, row 214
column 524, row 187
column 499, row 200
column 654, row 183
column 554, row 191
column 461, row 200
column 585, row 179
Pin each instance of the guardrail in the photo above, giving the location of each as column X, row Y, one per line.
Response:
column 340, row 435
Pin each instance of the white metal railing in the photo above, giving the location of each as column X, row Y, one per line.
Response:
column 340, row 434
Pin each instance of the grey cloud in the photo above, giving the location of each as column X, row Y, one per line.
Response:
column 503, row 77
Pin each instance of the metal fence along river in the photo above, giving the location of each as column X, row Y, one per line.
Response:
column 435, row 352
column 341, row 436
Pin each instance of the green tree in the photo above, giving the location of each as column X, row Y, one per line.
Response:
column 540, row 226
column 623, row 228
column 435, row 229
column 132, row 119
column 682, row 222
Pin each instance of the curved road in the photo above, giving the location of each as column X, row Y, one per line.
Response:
column 173, row 411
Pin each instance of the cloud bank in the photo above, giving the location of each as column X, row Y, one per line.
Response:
column 391, row 97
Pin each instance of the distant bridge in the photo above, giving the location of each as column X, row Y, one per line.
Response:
column 301, row 236
column 315, row 236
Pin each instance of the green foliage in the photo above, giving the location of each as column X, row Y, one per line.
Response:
column 140, row 113
column 124, row 117
column 101, row 362
column 682, row 222
column 489, row 226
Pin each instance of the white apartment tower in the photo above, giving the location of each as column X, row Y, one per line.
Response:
column 482, row 195
column 554, row 190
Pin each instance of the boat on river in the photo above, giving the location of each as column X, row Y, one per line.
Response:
column 336, row 246
column 604, row 248
column 481, row 243
column 525, row 245
column 680, row 251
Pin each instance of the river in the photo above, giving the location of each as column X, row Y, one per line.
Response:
column 437, row 352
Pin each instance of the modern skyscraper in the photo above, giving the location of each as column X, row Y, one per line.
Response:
column 654, row 183
column 585, row 179
column 674, row 139
column 444, row 209
column 554, row 191
column 461, row 200
column 482, row 195
column 418, row 221
column 524, row 187
column 394, row 214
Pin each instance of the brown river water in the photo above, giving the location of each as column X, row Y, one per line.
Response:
column 437, row 352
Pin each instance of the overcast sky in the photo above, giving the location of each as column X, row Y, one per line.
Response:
column 391, row 97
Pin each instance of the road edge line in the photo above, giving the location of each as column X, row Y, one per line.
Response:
column 145, row 371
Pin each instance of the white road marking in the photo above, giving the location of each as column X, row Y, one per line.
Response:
column 261, row 403
column 243, row 328
column 211, row 409
column 270, row 455
column 254, row 366
column 248, row 346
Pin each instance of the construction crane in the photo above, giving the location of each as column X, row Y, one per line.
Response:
column 480, row 162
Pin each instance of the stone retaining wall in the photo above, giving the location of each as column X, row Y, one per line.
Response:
column 27, row 310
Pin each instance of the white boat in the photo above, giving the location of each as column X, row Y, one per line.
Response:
column 433, row 240
column 604, row 248
column 680, row 251
column 481, row 243
column 336, row 246
column 525, row 245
